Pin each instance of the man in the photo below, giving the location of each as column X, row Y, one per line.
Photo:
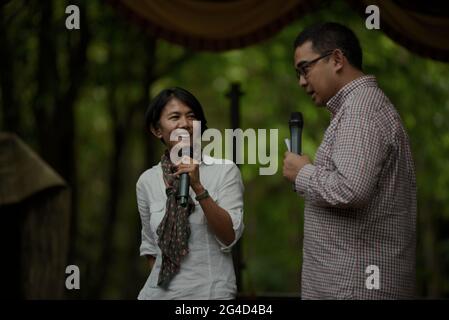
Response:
column 360, row 193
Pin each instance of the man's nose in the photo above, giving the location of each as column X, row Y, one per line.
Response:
column 303, row 81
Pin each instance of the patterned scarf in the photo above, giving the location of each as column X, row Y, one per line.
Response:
column 174, row 229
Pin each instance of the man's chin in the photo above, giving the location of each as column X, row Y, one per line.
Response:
column 318, row 102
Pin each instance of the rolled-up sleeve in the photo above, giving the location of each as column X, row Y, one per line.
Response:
column 359, row 152
column 230, row 198
column 148, row 244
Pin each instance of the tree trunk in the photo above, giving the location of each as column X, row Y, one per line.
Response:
column 149, row 143
column 11, row 115
column 121, row 133
column 54, row 104
column 429, row 239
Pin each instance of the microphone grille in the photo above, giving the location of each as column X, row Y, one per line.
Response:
column 296, row 117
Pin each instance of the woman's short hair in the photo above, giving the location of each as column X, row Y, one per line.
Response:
column 154, row 110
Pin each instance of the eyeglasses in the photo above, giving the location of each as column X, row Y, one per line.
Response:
column 305, row 67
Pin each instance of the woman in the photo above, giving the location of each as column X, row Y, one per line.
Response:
column 188, row 248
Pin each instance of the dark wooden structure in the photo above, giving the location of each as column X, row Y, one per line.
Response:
column 234, row 95
column 35, row 208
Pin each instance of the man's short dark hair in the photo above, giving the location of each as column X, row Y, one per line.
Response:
column 154, row 110
column 329, row 36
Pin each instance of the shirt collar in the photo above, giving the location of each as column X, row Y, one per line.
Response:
column 334, row 104
column 205, row 160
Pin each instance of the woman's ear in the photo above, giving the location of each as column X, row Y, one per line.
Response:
column 156, row 131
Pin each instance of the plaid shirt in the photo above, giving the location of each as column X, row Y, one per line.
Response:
column 360, row 201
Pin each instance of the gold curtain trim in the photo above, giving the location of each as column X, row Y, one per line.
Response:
column 422, row 34
column 214, row 25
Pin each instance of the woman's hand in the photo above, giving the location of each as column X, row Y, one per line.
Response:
column 151, row 260
column 192, row 167
column 218, row 218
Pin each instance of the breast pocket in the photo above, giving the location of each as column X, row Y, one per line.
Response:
column 157, row 211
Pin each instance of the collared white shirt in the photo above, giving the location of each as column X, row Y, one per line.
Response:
column 207, row 272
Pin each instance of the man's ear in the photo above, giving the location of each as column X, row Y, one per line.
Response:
column 156, row 132
column 339, row 59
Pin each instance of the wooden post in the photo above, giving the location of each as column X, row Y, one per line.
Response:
column 234, row 95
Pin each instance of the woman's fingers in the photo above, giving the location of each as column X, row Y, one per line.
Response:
column 184, row 169
column 187, row 160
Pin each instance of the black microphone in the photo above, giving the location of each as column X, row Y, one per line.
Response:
column 296, row 123
column 184, row 181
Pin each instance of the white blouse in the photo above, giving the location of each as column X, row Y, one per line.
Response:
column 207, row 272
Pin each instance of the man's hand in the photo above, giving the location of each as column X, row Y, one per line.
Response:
column 293, row 163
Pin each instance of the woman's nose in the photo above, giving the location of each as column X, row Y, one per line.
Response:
column 183, row 122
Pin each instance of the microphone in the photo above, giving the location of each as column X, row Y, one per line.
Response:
column 296, row 123
column 184, row 181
